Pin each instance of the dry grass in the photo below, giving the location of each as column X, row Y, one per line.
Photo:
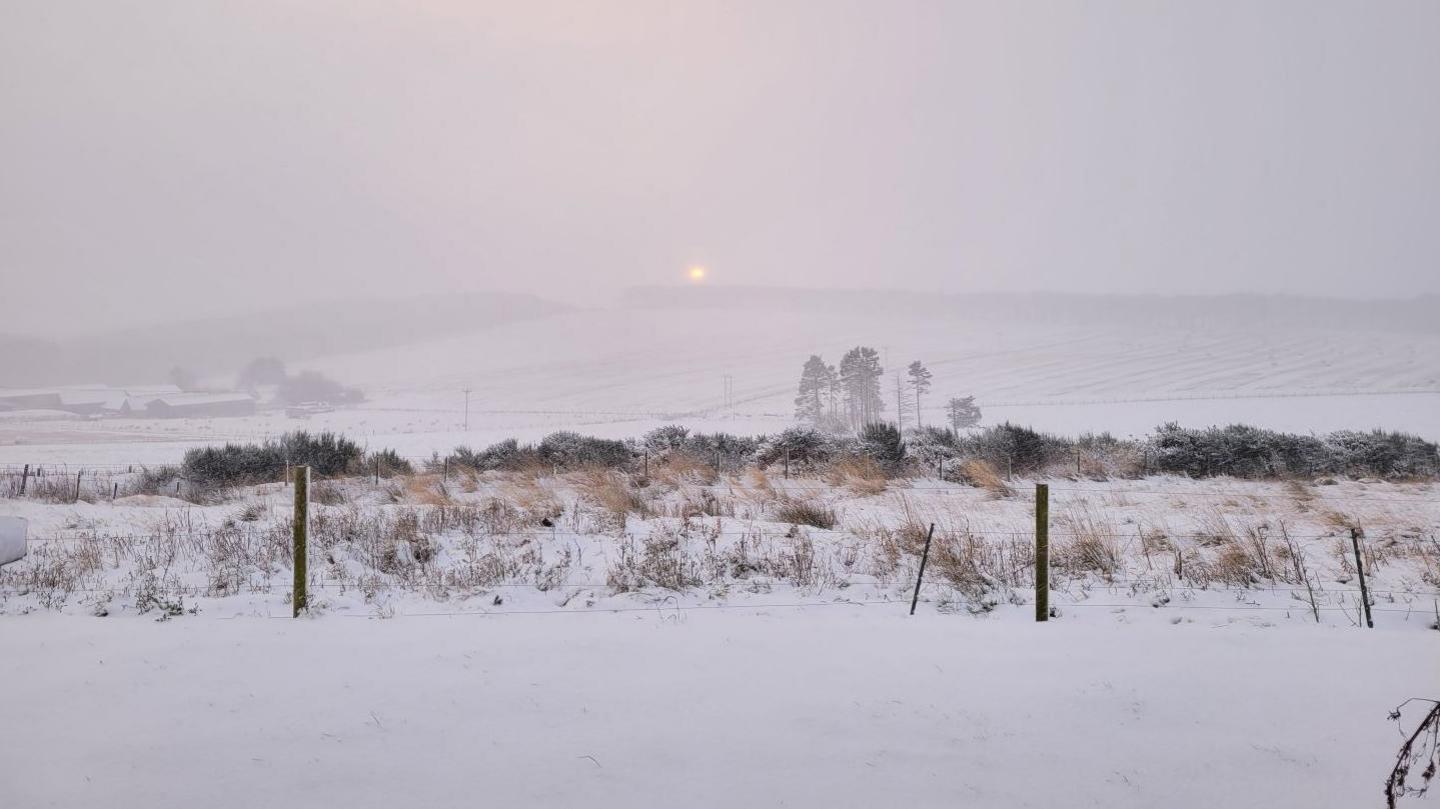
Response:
column 613, row 491
column 427, row 490
column 982, row 475
column 805, row 512
column 862, row 476
column 681, row 469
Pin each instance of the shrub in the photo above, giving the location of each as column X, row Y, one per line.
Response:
column 732, row 449
column 506, row 455
column 807, row 448
column 928, row 446
column 1251, row 452
column 327, row 454
column 390, row 463
column 666, row 439
column 881, row 443
column 568, row 450
column 1014, row 448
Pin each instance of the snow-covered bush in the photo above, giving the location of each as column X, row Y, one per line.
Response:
column 1251, row 452
column 882, row 443
column 928, row 446
column 502, row 455
column 666, row 439
column 569, row 450
column 327, row 454
column 1012, row 447
column 806, row 448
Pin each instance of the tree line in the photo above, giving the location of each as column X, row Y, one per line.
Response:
column 850, row 398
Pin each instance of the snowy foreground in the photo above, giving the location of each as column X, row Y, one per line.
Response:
column 594, row 640
column 843, row 706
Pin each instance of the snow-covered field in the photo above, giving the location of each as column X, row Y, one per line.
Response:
column 513, row 542
column 591, row 639
column 618, row 373
column 846, row 707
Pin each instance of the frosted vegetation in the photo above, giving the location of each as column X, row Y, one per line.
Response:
column 575, row 522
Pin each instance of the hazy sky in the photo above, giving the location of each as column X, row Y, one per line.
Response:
column 165, row 158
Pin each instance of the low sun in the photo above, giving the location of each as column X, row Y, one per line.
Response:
column 697, row 274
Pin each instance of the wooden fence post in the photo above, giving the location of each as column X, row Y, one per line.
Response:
column 77, row 484
column 1042, row 552
column 299, row 600
column 1360, row 572
column 24, row 478
column 924, row 557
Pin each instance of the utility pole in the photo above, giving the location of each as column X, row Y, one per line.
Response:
column 467, row 410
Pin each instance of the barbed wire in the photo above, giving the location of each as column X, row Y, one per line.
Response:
column 785, row 487
column 701, row 531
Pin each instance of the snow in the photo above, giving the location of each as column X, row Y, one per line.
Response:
column 842, row 707
column 618, row 373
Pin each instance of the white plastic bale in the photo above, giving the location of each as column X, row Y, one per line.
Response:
column 12, row 539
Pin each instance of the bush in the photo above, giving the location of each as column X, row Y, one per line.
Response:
column 807, row 448
column 390, row 463
column 567, row 450
column 666, row 439
column 881, row 443
column 1251, row 452
column 507, row 455
column 327, row 454
column 928, row 446
column 1015, row 448
column 732, row 449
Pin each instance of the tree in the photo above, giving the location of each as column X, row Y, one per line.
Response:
column 919, row 385
column 902, row 404
column 812, row 399
column 860, row 374
column 261, row 371
column 313, row 386
column 963, row 412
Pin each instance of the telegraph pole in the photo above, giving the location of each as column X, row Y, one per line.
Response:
column 467, row 410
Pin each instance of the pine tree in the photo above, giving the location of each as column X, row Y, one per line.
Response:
column 963, row 412
column 903, row 404
column 919, row 385
column 834, row 396
column 811, row 400
column 860, row 374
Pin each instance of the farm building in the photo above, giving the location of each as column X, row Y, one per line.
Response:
column 91, row 402
column 201, row 405
column 29, row 400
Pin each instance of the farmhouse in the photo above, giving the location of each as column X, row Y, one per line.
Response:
column 201, row 405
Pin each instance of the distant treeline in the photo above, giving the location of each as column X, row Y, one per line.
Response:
column 965, row 456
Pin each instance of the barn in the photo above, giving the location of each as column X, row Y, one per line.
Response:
column 201, row 406
column 29, row 400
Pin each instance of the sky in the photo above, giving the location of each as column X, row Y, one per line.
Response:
column 161, row 160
